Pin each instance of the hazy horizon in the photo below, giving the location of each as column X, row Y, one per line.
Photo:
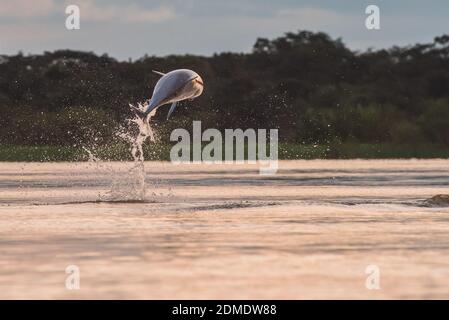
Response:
column 136, row 28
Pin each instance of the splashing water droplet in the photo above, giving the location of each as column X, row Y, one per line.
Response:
column 130, row 186
column 144, row 132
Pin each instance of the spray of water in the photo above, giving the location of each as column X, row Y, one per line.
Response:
column 129, row 185
column 137, row 131
column 144, row 131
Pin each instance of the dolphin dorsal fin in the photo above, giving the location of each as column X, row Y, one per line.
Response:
column 159, row 73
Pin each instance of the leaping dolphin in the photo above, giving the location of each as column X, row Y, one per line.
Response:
column 175, row 86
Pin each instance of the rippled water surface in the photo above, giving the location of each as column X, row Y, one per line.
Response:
column 224, row 231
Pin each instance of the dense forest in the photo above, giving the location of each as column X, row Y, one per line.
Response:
column 311, row 87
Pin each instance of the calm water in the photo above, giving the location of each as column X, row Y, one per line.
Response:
column 224, row 231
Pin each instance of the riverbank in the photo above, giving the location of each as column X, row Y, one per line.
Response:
column 287, row 151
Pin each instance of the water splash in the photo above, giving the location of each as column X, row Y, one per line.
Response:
column 92, row 157
column 129, row 185
column 136, row 132
column 145, row 131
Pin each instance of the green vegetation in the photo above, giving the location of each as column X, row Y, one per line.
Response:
column 38, row 153
column 326, row 100
column 287, row 151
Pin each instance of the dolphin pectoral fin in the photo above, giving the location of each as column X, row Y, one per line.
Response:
column 158, row 72
column 172, row 108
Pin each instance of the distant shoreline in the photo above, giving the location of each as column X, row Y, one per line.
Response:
column 287, row 151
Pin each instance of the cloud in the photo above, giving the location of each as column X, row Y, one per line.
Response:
column 233, row 25
column 310, row 15
column 24, row 9
column 130, row 13
column 238, row 33
column 90, row 11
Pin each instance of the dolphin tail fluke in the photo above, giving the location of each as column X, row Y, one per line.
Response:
column 172, row 108
column 148, row 107
column 138, row 112
column 143, row 110
column 158, row 72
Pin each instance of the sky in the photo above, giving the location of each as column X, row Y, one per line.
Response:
column 133, row 28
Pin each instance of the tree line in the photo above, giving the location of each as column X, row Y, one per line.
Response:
column 310, row 86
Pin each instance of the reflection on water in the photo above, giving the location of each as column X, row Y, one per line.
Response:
column 224, row 231
column 342, row 181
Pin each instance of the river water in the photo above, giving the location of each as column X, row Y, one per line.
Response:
column 224, row 231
